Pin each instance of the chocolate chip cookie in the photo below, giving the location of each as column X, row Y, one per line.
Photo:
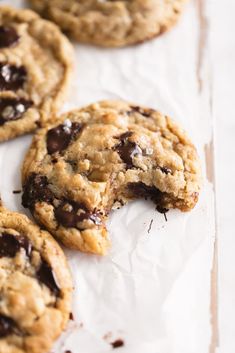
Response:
column 100, row 157
column 35, row 286
column 111, row 22
column 35, row 70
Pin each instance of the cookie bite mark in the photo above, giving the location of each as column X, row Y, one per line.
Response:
column 10, row 244
column 127, row 149
column 12, row 77
column 13, row 109
column 46, row 275
column 140, row 189
column 61, row 136
column 8, row 37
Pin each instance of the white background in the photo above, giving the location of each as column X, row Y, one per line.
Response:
column 188, row 73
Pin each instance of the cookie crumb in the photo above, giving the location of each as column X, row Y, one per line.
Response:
column 150, row 226
column 107, row 336
column 16, row 191
column 118, row 343
column 71, row 317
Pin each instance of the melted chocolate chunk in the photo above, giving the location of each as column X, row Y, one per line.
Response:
column 8, row 36
column 46, row 275
column 118, row 343
column 127, row 149
column 36, row 189
column 13, row 109
column 70, row 219
column 10, row 244
column 60, row 137
column 142, row 190
column 12, row 77
column 143, row 111
column 7, row 326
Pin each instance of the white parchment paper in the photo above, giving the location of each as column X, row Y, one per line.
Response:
column 153, row 289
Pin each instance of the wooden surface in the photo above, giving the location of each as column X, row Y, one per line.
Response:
column 217, row 48
column 222, row 52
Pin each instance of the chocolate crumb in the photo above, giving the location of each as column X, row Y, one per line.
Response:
column 68, row 351
column 71, row 317
column 162, row 210
column 150, row 226
column 117, row 344
column 16, row 191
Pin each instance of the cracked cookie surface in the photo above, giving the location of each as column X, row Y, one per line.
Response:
column 109, row 22
column 35, row 70
column 35, row 286
column 99, row 158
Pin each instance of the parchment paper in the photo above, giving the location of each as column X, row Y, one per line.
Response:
column 153, row 289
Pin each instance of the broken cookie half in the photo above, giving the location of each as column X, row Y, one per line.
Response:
column 100, row 157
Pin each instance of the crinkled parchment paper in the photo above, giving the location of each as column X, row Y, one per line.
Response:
column 153, row 289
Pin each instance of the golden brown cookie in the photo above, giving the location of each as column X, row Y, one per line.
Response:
column 35, row 286
column 99, row 158
column 35, row 71
column 111, row 23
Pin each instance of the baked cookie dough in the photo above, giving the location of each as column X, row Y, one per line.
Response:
column 100, row 157
column 35, row 71
column 111, row 23
column 35, row 286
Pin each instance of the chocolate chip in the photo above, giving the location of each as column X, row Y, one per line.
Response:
column 143, row 111
column 166, row 170
column 127, row 149
column 12, row 77
column 46, row 275
column 71, row 218
column 10, row 244
column 36, row 189
column 8, row 36
column 60, row 137
column 71, row 317
column 13, row 109
column 66, row 218
column 118, row 343
column 142, row 190
column 7, row 326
